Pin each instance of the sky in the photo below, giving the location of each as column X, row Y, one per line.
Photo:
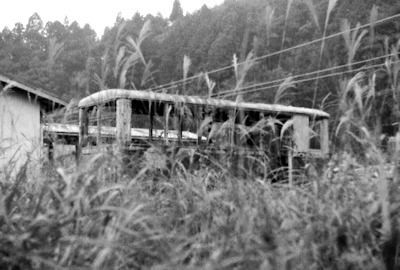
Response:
column 98, row 14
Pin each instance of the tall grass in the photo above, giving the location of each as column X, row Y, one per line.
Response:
column 95, row 218
column 289, row 4
column 331, row 6
column 352, row 40
column 169, row 217
column 159, row 214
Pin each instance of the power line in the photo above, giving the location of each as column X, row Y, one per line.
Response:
column 309, row 79
column 229, row 93
column 170, row 85
column 301, row 75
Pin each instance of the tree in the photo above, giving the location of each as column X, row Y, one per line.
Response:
column 35, row 23
column 34, row 35
column 209, row 37
column 56, row 30
column 177, row 11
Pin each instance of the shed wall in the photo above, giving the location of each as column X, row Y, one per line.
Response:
column 20, row 131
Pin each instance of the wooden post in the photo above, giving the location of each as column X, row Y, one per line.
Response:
column 241, row 116
column 83, row 130
column 151, row 120
column 98, row 114
column 124, row 112
column 242, row 149
column 198, row 125
column 166, row 115
column 301, row 134
column 324, row 137
column 290, row 164
column 178, row 117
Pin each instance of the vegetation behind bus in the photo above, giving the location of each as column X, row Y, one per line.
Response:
column 96, row 216
column 99, row 216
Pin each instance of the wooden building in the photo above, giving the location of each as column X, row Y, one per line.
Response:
column 21, row 112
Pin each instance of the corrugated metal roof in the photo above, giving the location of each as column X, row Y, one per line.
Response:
column 114, row 94
column 11, row 84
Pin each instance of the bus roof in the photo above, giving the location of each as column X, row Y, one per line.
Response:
column 114, row 94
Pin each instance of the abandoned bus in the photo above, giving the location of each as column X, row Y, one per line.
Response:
column 279, row 133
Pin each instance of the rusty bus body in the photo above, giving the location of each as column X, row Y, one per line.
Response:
column 281, row 133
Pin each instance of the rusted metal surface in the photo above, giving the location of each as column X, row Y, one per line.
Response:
column 115, row 94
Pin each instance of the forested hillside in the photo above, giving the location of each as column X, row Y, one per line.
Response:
column 147, row 51
column 152, row 204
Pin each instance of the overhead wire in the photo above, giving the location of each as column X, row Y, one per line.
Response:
column 302, row 75
column 310, row 79
column 171, row 85
column 111, row 116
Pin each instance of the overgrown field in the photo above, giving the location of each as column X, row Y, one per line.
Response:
column 102, row 217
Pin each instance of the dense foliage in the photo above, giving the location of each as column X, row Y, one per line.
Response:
column 102, row 215
column 115, row 213
column 72, row 61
